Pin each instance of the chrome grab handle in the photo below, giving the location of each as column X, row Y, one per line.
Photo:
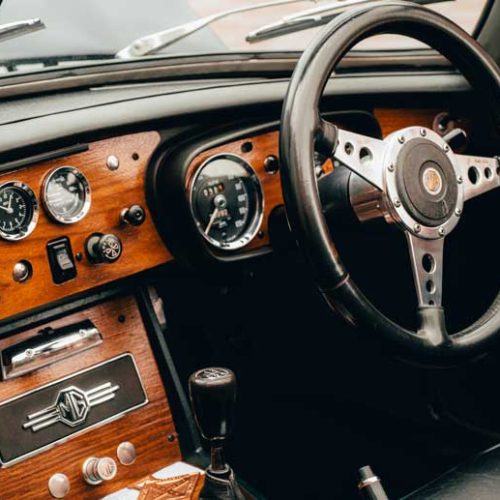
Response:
column 48, row 346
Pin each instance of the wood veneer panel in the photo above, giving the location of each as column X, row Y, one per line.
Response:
column 263, row 145
column 148, row 427
column 392, row 119
column 111, row 192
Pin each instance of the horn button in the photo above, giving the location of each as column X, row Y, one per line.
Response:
column 426, row 182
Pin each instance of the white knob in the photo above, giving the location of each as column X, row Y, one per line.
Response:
column 96, row 470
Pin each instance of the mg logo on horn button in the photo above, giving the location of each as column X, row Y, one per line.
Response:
column 432, row 180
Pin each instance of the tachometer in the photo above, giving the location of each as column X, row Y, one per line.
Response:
column 66, row 195
column 226, row 201
column 18, row 210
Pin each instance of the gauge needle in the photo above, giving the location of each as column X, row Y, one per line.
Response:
column 212, row 220
column 10, row 203
column 7, row 209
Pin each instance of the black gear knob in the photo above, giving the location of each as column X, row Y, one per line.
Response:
column 213, row 397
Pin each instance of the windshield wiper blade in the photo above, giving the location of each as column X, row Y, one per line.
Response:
column 316, row 16
column 154, row 42
column 20, row 28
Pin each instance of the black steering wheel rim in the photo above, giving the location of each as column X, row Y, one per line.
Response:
column 302, row 128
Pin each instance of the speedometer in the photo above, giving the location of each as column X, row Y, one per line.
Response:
column 66, row 195
column 226, row 201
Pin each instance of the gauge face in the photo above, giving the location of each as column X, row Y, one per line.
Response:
column 66, row 195
column 226, row 201
column 18, row 210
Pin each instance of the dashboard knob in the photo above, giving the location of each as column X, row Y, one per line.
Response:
column 134, row 215
column 103, row 248
column 96, row 470
column 271, row 164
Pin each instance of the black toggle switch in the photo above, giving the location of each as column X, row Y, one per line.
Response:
column 271, row 164
column 61, row 261
column 134, row 215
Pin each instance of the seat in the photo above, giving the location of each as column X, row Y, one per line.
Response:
column 476, row 479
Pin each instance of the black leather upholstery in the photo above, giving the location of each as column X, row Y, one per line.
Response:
column 478, row 479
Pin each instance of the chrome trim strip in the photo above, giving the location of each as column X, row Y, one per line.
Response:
column 54, row 413
column 47, row 347
column 77, row 433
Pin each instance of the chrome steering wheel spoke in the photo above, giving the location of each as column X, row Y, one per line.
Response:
column 427, row 264
column 478, row 174
column 362, row 154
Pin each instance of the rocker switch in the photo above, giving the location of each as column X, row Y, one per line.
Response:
column 62, row 264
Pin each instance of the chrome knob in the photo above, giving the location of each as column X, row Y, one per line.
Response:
column 96, row 470
column 59, row 485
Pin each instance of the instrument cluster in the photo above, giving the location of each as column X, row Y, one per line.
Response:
column 66, row 197
column 226, row 201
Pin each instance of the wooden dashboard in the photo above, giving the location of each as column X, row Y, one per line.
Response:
column 111, row 191
column 114, row 190
column 150, row 428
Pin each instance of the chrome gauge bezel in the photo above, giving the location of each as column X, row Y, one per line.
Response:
column 32, row 199
column 87, row 194
column 254, row 225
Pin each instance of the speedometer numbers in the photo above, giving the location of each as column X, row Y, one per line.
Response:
column 226, row 201
column 18, row 210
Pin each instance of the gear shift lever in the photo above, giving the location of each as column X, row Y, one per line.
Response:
column 213, row 397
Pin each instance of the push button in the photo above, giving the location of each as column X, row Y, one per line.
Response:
column 62, row 264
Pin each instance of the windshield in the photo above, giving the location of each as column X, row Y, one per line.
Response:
column 99, row 28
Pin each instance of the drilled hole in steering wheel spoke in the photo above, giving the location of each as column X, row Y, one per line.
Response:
column 474, row 175
column 430, row 286
column 349, row 148
column 365, row 155
column 428, row 263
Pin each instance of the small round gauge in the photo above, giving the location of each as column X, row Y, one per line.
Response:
column 18, row 210
column 226, row 201
column 66, row 195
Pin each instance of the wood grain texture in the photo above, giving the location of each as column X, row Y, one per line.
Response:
column 147, row 428
column 392, row 119
column 111, row 192
column 263, row 145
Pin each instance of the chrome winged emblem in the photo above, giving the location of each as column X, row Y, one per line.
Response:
column 71, row 407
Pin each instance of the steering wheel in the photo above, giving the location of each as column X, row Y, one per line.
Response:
column 417, row 181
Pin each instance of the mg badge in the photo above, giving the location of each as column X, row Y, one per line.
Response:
column 433, row 182
column 71, row 407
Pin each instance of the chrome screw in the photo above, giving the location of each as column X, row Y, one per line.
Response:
column 423, row 132
column 401, row 139
column 446, row 148
column 397, row 203
column 458, row 212
column 390, row 168
column 417, row 228
column 460, row 179
column 441, row 231
column 112, row 162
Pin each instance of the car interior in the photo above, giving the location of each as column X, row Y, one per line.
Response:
column 251, row 273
